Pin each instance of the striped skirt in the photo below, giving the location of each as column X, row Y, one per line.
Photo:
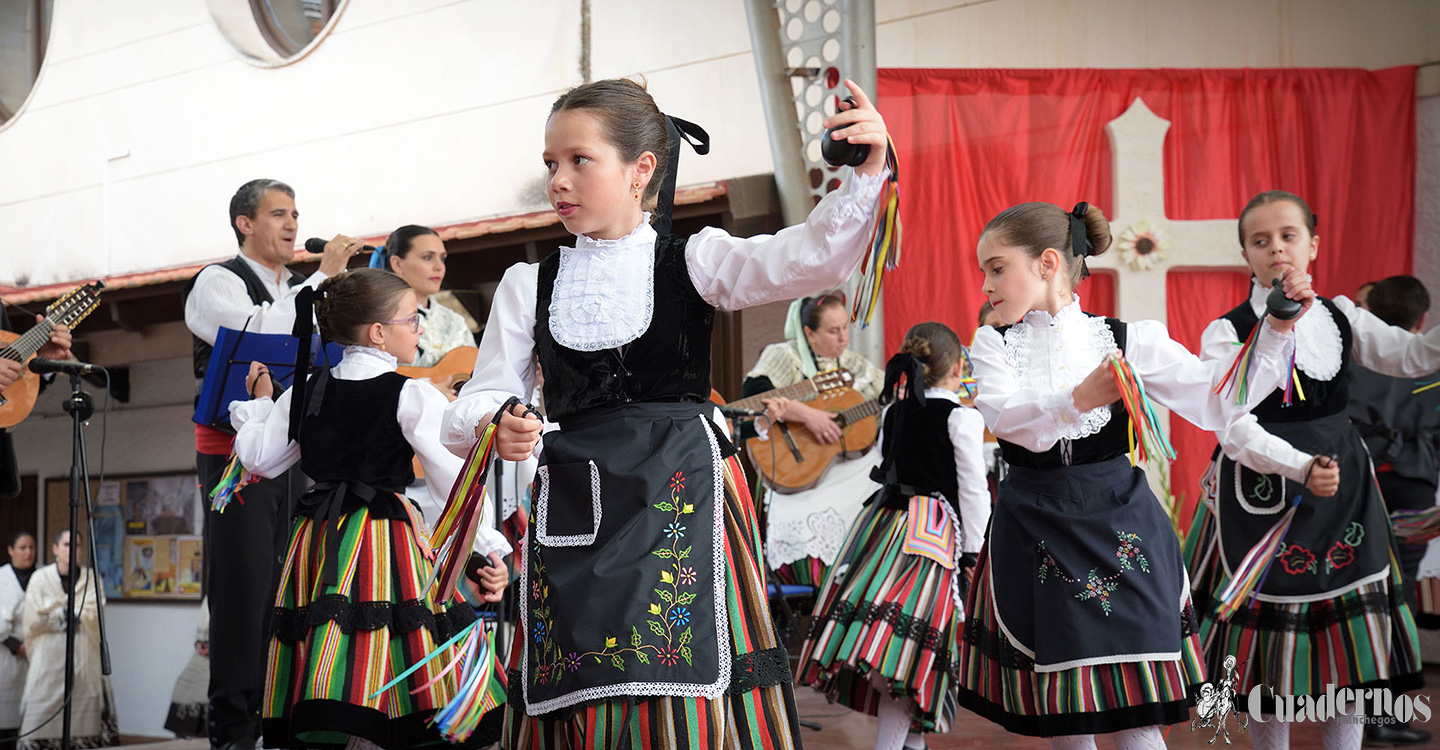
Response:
column 1427, row 598
column 332, row 647
column 885, row 619
column 1364, row 637
column 756, row 713
column 1000, row 683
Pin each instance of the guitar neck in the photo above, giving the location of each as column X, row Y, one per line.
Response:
column 800, row 391
column 29, row 342
column 858, row 412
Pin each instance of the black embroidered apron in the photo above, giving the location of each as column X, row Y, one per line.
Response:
column 624, row 577
column 1078, row 555
column 1335, row 543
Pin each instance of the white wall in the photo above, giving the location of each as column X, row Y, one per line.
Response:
column 161, row 83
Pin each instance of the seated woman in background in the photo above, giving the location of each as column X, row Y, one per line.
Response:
column 416, row 254
column 805, row 530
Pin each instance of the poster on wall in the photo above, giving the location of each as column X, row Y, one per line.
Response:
column 147, row 534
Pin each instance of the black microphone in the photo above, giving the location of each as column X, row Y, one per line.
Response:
column 732, row 412
column 317, row 246
column 43, row 366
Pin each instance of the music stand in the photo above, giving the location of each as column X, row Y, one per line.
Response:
column 225, row 382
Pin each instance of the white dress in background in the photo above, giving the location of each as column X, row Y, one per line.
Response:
column 12, row 666
column 93, row 722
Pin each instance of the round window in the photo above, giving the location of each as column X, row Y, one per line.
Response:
column 290, row 25
column 24, row 32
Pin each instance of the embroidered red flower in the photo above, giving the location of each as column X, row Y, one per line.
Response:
column 1297, row 559
column 677, row 482
column 1340, row 555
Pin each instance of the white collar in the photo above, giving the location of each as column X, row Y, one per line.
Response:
column 1258, row 295
column 604, row 293
column 1055, row 353
column 1070, row 311
column 363, row 363
column 267, row 274
column 942, row 393
column 1318, row 348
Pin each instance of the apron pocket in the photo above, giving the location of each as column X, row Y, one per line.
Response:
column 572, row 490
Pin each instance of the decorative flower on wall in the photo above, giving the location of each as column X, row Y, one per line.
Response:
column 1143, row 245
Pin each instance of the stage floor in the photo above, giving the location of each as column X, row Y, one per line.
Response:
column 842, row 729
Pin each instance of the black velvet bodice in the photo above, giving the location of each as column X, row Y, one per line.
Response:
column 1322, row 397
column 356, row 436
column 669, row 362
column 919, row 459
column 1110, row 442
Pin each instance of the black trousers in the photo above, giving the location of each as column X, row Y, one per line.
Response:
column 245, row 550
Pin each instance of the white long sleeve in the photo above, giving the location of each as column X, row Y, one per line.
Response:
column 967, row 437
column 1034, row 408
column 1244, row 440
column 730, row 273
column 219, row 299
column 1389, row 350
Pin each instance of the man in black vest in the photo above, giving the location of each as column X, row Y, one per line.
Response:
column 11, row 371
column 245, row 546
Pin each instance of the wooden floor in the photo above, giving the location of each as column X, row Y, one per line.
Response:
column 842, row 729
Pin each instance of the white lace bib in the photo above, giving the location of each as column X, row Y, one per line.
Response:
column 1052, row 354
column 604, row 292
column 1318, row 349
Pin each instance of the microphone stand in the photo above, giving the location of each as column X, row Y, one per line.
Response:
column 81, row 407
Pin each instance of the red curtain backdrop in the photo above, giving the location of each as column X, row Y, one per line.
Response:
column 1192, row 300
column 973, row 142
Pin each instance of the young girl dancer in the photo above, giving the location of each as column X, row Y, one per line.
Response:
column 1330, row 611
column 1079, row 620
column 891, row 604
column 645, row 619
column 352, row 610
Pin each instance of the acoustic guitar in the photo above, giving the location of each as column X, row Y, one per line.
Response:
column 450, row 373
column 791, row 459
column 18, row 400
column 819, row 384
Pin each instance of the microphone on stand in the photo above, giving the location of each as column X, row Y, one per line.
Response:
column 733, row 413
column 317, row 246
column 42, row 366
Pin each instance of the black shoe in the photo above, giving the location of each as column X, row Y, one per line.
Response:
column 1390, row 735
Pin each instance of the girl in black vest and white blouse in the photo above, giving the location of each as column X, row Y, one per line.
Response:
column 1079, row 622
column 1330, row 611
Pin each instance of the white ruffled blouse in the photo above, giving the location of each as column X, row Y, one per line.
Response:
column 604, row 291
column 1319, row 351
column 1026, row 378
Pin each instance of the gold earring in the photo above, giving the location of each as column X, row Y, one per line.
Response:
column 637, row 191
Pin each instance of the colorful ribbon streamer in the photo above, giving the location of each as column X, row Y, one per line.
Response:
column 454, row 534
column 1250, row 574
column 884, row 252
column 232, row 479
column 1416, row 526
column 1238, row 376
column 1147, row 437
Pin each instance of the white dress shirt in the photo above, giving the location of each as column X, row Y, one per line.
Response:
column 1375, row 345
column 730, row 273
column 967, row 437
column 219, row 299
column 263, row 443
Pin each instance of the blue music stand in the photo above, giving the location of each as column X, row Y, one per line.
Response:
column 230, row 363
